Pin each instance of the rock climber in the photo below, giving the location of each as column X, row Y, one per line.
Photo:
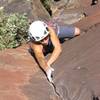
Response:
column 45, row 35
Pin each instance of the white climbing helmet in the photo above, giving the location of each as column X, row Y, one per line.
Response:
column 38, row 30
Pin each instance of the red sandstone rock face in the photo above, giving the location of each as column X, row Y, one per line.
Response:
column 77, row 71
column 16, row 68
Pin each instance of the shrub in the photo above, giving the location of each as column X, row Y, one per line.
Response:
column 13, row 30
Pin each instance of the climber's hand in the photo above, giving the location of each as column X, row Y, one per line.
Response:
column 50, row 74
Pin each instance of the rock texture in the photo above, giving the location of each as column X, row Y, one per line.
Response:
column 77, row 71
column 33, row 8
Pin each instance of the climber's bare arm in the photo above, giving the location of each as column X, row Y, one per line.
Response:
column 39, row 55
column 57, row 46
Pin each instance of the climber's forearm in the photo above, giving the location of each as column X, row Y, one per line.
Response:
column 54, row 56
column 42, row 61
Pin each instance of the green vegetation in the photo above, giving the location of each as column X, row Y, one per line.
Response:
column 13, row 30
column 46, row 4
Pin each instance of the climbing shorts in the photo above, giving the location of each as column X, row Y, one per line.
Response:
column 66, row 31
